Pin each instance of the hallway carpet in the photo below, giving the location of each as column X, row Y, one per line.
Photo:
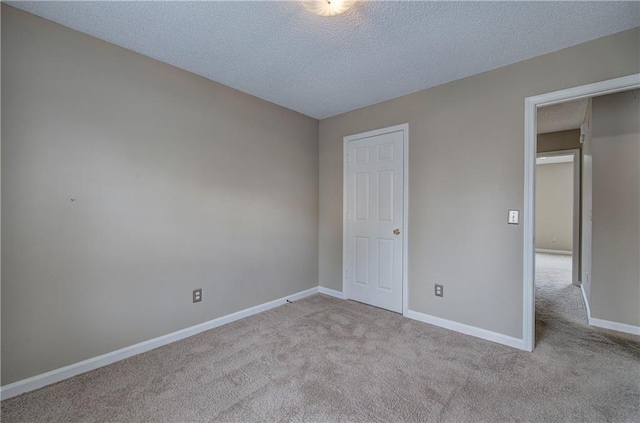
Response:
column 558, row 301
column 327, row 360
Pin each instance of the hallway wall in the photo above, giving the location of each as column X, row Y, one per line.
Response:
column 554, row 206
column 615, row 148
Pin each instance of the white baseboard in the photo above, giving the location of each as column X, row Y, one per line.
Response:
column 607, row 324
column 467, row 329
column 44, row 379
column 586, row 303
column 331, row 292
column 549, row 251
column 620, row 327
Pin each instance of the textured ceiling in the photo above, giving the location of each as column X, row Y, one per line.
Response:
column 562, row 117
column 323, row 66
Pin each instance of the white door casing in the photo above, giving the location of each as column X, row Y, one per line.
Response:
column 531, row 105
column 375, row 247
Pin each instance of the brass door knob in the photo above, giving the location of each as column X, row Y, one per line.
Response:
column 396, row 231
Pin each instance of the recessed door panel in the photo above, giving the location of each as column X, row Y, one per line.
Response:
column 385, row 264
column 362, row 196
column 362, row 155
column 362, row 260
column 385, row 152
column 385, row 196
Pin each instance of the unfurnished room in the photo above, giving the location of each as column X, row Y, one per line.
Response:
column 320, row 211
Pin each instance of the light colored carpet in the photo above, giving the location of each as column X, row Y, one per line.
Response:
column 559, row 303
column 327, row 360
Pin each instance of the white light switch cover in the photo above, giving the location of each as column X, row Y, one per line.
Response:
column 514, row 217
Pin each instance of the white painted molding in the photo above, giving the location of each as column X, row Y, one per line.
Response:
column 405, row 229
column 528, row 226
column 84, row 366
column 610, row 86
column 586, row 303
column 549, row 251
column 467, row 329
column 331, row 292
column 607, row 324
column 545, row 160
column 620, row 327
column 531, row 105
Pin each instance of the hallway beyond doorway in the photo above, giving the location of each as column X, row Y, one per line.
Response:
column 558, row 302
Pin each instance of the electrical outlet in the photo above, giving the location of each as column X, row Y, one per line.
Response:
column 439, row 291
column 197, row 295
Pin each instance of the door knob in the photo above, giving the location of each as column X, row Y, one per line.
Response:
column 396, row 231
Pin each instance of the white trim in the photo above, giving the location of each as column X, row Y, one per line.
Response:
column 531, row 105
column 607, row 324
column 345, row 206
column 620, row 327
column 586, row 303
column 546, row 158
column 44, row 379
column 405, row 230
column 548, row 251
column 466, row 329
column 528, row 227
column 331, row 292
column 345, row 214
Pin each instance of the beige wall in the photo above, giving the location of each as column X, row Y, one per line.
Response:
column 615, row 284
column 554, row 206
column 126, row 184
column 586, row 200
column 466, row 152
column 561, row 140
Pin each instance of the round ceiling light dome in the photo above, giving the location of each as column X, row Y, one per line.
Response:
column 328, row 7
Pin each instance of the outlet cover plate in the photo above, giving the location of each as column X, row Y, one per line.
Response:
column 197, row 295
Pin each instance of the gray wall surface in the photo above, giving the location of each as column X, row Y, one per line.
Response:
column 586, row 201
column 126, row 184
column 466, row 149
column 561, row 140
column 554, row 206
column 615, row 147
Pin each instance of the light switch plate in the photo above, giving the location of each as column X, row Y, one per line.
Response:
column 514, row 217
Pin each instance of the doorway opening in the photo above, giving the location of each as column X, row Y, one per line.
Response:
column 533, row 107
column 558, row 296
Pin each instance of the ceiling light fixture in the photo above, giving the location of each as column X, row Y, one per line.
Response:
column 328, row 7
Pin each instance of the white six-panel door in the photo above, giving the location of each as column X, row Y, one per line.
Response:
column 375, row 216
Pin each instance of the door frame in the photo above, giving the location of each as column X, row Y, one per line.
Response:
column 404, row 128
column 531, row 104
column 575, row 221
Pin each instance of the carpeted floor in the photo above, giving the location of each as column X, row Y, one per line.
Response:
column 559, row 303
column 322, row 359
